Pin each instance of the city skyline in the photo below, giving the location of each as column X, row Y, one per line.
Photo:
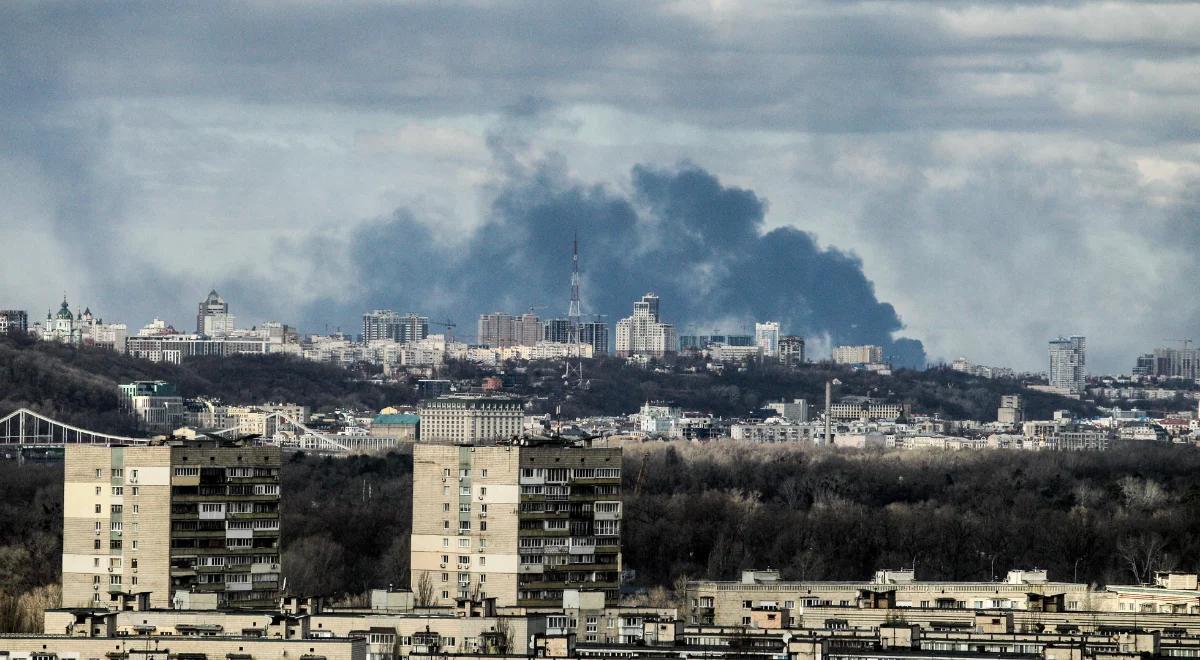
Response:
column 956, row 161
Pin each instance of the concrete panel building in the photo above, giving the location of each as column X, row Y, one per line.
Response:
column 517, row 523
column 197, row 516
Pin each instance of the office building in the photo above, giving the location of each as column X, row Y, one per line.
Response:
column 13, row 320
column 766, row 337
column 791, row 350
column 174, row 348
column 197, row 516
column 155, row 403
column 520, row 524
column 213, row 318
column 1068, row 364
column 643, row 333
column 858, row 354
column 468, row 419
column 794, row 411
column 382, row 324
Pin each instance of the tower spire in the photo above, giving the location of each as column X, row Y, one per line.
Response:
column 574, row 312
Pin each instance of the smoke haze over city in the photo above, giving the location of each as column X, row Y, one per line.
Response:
column 976, row 177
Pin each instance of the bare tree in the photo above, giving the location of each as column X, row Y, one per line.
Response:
column 1143, row 554
column 424, row 590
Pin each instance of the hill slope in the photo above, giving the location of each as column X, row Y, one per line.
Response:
column 78, row 385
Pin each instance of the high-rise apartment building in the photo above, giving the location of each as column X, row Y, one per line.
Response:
column 791, row 350
column 1170, row 363
column 500, row 330
column 470, row 418
column 14, row 320
column 518, row 523
column 1068, row 363
column 556, row 330
column 1011, row 410
column 190, row 515
column 594, row 334
column 858, row 354
column 766, row 337
column 213, row 318
column 386, row 324
column 643, row 333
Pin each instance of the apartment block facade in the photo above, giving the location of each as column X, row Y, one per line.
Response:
column 197, row 516
column 517, row 523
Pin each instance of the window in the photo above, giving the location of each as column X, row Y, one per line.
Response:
column 482, row 508
column 114, row 579
column 95, row 579
column 135, row 545
column 445, row 490
column 133, row 563
column 445, row 558
column 482, row 562
column 445, row 507
column 445, row 524
column 483, row 472
column 464, row 508
column 97, row 525
column 464, row 526
column 97, row 490
column 464, row 559
column 99, row 473
column 445, row 577
column 97, row 545
column 187, row 471
column 482, row 543
column 482, row 491
column 465, row 490
column 118, row 472
column 133, row 475
column 483, row 525
column 482, row 577
column 117, row 490
column 116, row 508
column 445, row 542
column 95, row 562
column 136, row 491
column 135, row 508
column 115, row 526
column 464, row 542
column 97, row 508
column 445, row 472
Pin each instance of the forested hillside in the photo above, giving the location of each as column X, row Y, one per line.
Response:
column 79, row 385
column 616, row 387
column 710, row 510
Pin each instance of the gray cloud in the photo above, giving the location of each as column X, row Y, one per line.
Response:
column 994, row 164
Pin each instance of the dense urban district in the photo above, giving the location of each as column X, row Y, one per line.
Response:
column 241, row 494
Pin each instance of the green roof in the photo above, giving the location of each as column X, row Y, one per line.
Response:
column 396, row 420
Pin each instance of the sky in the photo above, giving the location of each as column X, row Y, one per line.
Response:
column 945, row 178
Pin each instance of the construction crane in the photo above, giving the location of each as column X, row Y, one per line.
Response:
column 449, row 325
column 1185, row 342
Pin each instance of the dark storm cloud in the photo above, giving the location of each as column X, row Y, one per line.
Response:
column 682, row 234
